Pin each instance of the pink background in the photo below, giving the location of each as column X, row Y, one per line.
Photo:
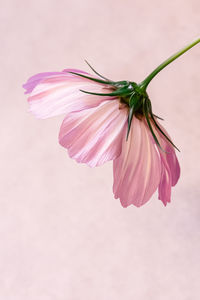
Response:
column 62, row 234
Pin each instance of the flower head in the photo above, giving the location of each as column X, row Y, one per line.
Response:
column 107, row 120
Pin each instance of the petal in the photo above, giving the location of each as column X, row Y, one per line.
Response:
column 75, row 71
column 59, row 92
column 36, row 79
column 164, row 188
column 137, row 170
column 169, row 156
column 94, row 136
column 170, row 166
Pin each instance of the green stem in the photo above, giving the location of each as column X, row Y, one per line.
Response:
column 143, row 85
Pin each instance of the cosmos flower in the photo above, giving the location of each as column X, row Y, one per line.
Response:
column 107, row 120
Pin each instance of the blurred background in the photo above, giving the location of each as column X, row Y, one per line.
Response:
column 63, row 235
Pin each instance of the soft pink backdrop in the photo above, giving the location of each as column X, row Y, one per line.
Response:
column 62, row 234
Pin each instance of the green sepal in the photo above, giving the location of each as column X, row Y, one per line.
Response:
column 130, row 117
column 156, row 124
column 134, row 104
column 158, row 117
column 121, row 83
column 91, row 78
column 146, row 113
column 96, row 71
column 158, row 127
column 132, row 100
column 125, row 83
column 118, row 92
column 135, row 100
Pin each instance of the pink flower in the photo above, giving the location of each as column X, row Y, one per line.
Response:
column 98, row 113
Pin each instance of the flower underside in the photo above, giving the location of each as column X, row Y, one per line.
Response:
column 134, row 96
column 111, row 120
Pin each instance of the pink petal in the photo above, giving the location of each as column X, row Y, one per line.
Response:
column 170, row 166
column 164, row 188
column 35, row 80
column 94, row 136
column 76, row 71
column 169, row 156
column 137, row 170
column 59, row 92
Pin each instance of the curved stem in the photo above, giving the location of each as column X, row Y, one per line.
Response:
column 143, row 85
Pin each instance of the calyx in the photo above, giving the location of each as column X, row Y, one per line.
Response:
column 134, row 96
